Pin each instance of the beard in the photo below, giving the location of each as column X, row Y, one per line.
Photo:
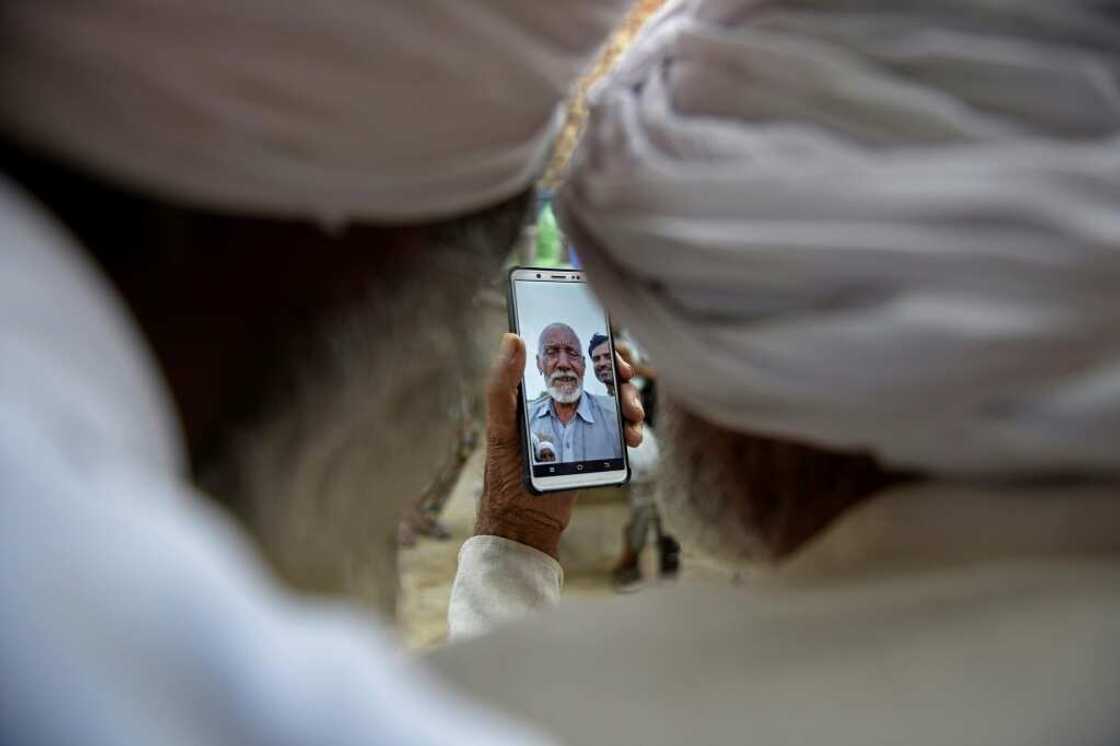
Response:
column 564, row 386
column 697, row 488
column 321, row 479
column 746, row 500
column 320, row 474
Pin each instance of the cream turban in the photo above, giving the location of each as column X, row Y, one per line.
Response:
column 888, row 227
column 335, row 110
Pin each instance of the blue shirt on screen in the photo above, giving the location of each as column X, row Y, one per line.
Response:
column 589, row 436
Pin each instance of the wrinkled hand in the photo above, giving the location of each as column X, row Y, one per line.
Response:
column 507, row 508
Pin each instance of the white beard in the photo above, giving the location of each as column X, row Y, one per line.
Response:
column 564, row 397
column 561, row 396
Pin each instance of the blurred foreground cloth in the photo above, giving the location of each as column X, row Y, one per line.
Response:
column 133, row 611
column 885, row 227
column 929, row 615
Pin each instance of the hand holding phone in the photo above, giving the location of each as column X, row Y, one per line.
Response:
column 573, row 428
column 507, row 507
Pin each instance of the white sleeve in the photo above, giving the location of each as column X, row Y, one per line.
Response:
column 500, row 580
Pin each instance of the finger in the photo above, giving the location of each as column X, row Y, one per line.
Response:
column 632, row 409
column 625, row 351
column 501, row 390
column 633, row 434
column 625, row 370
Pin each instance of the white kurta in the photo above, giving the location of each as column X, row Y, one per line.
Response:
column 939, row 614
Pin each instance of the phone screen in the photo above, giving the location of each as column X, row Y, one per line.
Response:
column 572, row 424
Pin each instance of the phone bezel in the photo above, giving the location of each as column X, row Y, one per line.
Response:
column 541, row 485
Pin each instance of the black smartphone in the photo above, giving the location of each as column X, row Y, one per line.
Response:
column 572, row 426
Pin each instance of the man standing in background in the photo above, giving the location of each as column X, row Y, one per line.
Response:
column 599, row 348
column 644, row 516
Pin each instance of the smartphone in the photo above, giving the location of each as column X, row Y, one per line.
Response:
column 572, row 426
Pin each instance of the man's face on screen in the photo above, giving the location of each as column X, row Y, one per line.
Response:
column 601, row 360
column 560, row 361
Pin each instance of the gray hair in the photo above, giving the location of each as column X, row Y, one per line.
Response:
column 558, row 325
column 742, row 498
column 320, row 477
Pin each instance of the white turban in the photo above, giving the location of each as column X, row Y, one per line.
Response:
column 334, row 110
column 887, row 227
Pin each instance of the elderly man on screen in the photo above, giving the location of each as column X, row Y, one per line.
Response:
column 582, row 426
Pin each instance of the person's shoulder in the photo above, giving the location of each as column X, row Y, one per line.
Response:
column 728, row 639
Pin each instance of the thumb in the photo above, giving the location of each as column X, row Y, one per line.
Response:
column 501, row 391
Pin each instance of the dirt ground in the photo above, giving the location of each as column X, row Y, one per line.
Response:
column 428, row 568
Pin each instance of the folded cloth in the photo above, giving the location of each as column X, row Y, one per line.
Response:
column 338, row 110
column 895, row 230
